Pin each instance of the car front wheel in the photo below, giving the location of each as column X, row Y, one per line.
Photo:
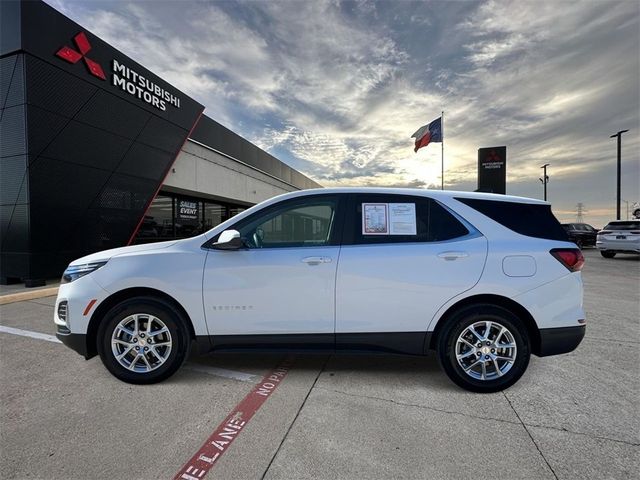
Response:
column 143, row 340
column 607, row 253
column 484, row 348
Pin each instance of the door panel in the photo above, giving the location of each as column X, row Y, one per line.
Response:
column 396, row 283
column 399, row 287
column 270, row 291
column 283, row 282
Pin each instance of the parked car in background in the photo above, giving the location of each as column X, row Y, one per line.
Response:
column 619, row 236
column 582, row 234
column 484, row 280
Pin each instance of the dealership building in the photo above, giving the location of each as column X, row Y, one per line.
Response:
column 98, row 152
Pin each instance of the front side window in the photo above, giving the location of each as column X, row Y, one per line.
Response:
column 302, row 224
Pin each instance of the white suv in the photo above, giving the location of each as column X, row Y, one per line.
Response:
column 619, row 236
column 484, row 280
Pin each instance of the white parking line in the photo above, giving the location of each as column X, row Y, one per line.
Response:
column 195, row 367
column 220, row 372
column 27, row 333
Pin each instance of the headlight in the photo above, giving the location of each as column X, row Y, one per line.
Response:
column 76, row 271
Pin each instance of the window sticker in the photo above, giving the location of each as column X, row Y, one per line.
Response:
column 375, row 219
column 402, row 219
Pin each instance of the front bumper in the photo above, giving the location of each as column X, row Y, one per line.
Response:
column 75, row 341
column 555, row 341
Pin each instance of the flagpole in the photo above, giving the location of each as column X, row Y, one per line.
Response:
column 442, row 159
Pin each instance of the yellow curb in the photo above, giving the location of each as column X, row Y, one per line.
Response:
column 22, row 296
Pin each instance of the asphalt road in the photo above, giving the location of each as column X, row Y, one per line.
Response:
column 571, row 416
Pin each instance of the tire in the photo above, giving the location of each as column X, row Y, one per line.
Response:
column 607, row 253
column 166, row 342
column 499, row 373
column 579, row 244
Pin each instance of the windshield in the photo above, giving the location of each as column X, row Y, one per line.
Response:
column 623, row 226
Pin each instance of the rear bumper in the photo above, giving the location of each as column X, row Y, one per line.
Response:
column 555, row 341
column 622, row 246
column 75, row 341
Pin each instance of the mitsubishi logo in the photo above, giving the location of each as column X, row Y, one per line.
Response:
column 493, row 157
column 73, row 56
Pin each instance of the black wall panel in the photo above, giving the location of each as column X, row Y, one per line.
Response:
column 14, row 192
column 12, row 180
column 80, row 160
column 141, row 161
column 53, row 89
column 10, row 37
column 113, row 114
column 7, row 64
column 12, row 132
column 84, row 144
column 47, row 124
column 11, row 81
column 98, row 161
column 163, row 135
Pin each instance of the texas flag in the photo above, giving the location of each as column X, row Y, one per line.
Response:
column 427, row 134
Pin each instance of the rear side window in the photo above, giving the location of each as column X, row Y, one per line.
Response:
column 631, row 225
column 524, row 218
column 433, row 223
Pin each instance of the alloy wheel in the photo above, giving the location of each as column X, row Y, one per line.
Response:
column 141, row 342
column 486, row 350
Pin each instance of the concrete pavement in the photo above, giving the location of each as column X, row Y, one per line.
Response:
column 351, row 417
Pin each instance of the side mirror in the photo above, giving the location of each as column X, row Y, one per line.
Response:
column 229, row 240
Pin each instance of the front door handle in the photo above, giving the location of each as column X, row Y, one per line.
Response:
column 452, row 255
column 316, row 260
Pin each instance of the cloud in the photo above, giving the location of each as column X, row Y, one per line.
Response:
column 335, row 89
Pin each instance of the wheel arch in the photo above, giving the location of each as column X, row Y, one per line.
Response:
column 120, row 296
column 489, row 299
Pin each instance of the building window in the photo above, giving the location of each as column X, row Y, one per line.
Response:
column 233, row 211
column 158, row 222
column 214, row 214
column 172, row 217
column 188, row 217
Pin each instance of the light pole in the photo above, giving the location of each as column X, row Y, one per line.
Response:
column 619, row 135
column 545, row 179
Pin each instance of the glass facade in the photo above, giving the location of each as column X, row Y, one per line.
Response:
column 173, row 216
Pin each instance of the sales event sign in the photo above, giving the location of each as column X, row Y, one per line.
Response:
column 187, row 210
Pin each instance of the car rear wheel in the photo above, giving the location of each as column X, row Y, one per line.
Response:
column 484, row 348
column 143, row 340
column 607, row 253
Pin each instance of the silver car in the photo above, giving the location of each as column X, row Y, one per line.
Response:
column 619, row 236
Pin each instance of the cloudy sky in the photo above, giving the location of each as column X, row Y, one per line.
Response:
column 335, row 89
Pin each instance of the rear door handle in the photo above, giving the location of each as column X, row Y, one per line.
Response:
column 316, row 260
column 452, row 255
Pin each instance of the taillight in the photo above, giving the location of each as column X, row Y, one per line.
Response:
column 636, row 232
column 571, row 258
column 604, row 232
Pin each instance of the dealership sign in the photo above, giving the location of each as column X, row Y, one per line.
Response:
column 122, row 76
column 74, row 56
column 137, row 85
column 492, row 170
